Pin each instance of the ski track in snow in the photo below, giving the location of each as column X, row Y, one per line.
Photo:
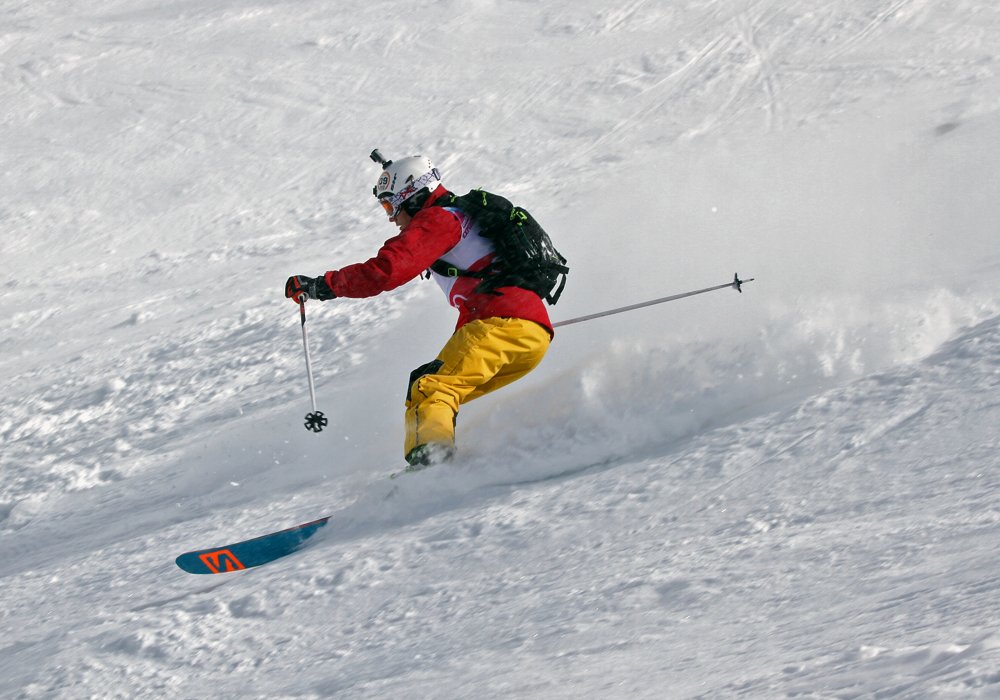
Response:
column 791, row 492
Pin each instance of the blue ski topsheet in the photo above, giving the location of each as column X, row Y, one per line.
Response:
column 249, row 553
column 259, row 550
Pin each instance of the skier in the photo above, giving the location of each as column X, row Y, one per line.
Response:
column 500, row 336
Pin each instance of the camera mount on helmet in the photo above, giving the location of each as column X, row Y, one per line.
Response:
column 379, row 158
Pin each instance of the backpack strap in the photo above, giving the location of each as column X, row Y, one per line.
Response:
column 554, row 296
column 440, row 266
column 447, row 270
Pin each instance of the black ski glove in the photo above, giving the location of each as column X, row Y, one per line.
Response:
column 299, row 287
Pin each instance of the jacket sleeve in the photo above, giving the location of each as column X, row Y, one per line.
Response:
column 431, row 234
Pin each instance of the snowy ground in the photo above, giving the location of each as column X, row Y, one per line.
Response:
column 789, row 492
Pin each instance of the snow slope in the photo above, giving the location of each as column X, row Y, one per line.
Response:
column 790, row 492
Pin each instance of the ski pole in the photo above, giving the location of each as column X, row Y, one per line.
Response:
column 736, row 284
column 315, row 421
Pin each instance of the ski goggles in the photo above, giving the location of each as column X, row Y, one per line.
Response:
column 392, row 202
column 389, row 209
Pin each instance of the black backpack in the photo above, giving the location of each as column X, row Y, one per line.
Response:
column 525, row 256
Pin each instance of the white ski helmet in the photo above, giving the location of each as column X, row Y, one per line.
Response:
column 408, row 181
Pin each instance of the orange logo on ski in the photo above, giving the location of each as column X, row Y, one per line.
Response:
column 221, row 561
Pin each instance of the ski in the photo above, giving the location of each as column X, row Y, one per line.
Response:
column 263, row 549
column 409, row 470
column 249, row 553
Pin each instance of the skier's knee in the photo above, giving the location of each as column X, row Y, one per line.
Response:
column 421, row 371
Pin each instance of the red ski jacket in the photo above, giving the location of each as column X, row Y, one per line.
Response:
column 433, row 232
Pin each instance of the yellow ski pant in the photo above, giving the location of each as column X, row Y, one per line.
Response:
column 481, row 356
